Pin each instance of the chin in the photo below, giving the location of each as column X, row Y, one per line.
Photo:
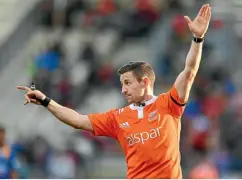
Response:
column 130, row 101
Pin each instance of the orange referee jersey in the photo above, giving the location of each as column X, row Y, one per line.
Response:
column 149, row 135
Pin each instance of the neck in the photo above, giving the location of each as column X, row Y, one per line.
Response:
column 145, row 99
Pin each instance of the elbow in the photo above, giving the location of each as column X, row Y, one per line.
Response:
column 79, row 127
column 75, row 127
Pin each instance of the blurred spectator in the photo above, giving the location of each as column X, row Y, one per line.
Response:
column 214, row 104
column 230, row 87
column 106, row 7
column 73, row 8
column 164, row 67
column 175, row 5
column 180, row 28
column 204, row 170
column 24, row 169
column 144, row 18
column 199, row 133
column 193, row 108
column 61, row 165
column 8, row 160
column 89, row 53
column 105, row 73
column 60, row 12
column 50, row 59
column 231, row 135
column 58, row 17
column 37, row 151
column 46, row 64
column 222, row 161
column 64, row 89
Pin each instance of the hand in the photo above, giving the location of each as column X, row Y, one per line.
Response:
column 199, row 25
column 32, row 96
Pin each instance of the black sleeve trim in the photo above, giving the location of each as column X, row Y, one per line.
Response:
column 177, row 103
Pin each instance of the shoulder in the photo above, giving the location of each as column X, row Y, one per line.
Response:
column 162, row 99
column 169, row 94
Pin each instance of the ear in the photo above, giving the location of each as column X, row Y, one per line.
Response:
column 146, row 82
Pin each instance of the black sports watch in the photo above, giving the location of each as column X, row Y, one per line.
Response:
column 198, row 40
column 45, row 102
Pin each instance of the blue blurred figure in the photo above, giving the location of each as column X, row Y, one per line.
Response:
column 193, row 108
column 49, row 60
column 8, row 162
column 23, row 168
column 46, row 64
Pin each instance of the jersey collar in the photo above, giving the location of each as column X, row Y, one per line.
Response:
column 152, row 100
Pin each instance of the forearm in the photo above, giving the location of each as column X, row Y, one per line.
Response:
column 69, row 116
column 193, row 58
column 185, row 79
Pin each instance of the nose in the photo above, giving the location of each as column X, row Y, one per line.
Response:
column 124, row 90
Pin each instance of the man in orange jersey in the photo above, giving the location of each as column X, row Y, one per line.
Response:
column 149, row 128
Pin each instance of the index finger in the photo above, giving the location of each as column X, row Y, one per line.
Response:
column 201, row 11
column 23, row 88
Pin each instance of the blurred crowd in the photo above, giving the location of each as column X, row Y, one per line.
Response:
column 210, row 138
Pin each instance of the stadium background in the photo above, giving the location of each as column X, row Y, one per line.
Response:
column 72, row 49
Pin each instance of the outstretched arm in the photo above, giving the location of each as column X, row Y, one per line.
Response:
column 70, row 117
column 198, row 28
column 64, row 114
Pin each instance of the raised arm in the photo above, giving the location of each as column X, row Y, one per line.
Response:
column 64, row 114
column 198, row 28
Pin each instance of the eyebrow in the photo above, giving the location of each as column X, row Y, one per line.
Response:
column 125, row 80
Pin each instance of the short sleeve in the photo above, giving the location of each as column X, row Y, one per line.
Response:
column 172, row 101
column 103, row 124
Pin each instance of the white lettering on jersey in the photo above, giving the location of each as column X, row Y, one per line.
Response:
column 143, row 136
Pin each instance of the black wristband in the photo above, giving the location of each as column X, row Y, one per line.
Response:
column 45, row 102
column 198, row 40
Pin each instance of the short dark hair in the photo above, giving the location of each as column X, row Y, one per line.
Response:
column 140, row 70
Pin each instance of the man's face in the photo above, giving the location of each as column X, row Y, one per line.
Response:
column 132, row 89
